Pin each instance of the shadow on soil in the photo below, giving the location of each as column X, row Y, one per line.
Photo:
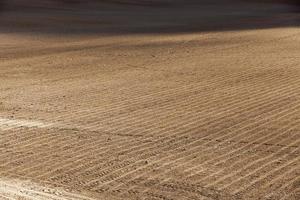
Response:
column 147, row 16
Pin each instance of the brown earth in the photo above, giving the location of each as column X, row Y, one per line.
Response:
column 207, row 108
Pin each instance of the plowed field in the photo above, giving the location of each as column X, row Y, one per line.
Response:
column 194, row 115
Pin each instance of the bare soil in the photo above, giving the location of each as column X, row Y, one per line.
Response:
column 207, row 108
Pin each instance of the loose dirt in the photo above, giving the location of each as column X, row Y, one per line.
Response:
column 202, row 113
